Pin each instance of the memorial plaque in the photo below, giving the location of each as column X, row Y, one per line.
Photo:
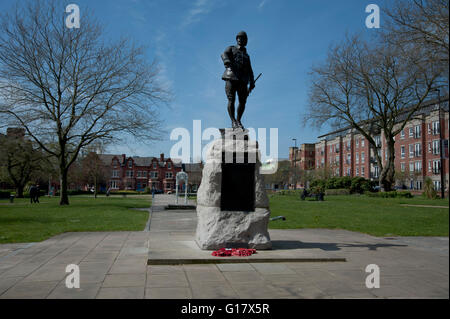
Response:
column 238, row 187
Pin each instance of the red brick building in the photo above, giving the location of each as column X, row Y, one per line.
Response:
column 137, row 173
column 417, row 150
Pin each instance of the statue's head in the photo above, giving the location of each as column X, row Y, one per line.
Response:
column 242, row 38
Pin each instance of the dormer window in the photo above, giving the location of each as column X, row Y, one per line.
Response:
column 130, row 164
column 169, row 165
column 154, row 165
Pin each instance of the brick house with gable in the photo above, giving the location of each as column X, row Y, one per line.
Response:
column 138, row 173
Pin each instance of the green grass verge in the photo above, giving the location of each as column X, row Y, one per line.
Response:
column 374, row 216
column 22, row 222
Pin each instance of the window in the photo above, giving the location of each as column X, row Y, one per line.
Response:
column 411, row 150
column 169, row 165
column 169, row 175
column 139, row 173
column 436, row 127
column 114, row 184
column 144, row 173
column 429, row 128
column 437, row 185
column 436, row 148
column 348, row 171
column 402, row 151
column 153, row 174
column 417, row 149
column 357, row 142
column 402, row 134
column 418, row 166
column 348, row 158
column 363, row 159
column 115, row 173
column 348, row 145
column 154, row 165
column 418, row 184
column 357, row 171
column 130, row 164
column 337, row 160
column 376, row 171
column 357, row 158
column 417, row 131
column 411, row 131
column 437, row 167
column 362, row 171
column 168, row 186
column 362, row 142
column 411, row 167
column 378, row 141
column 130, row 173
column 402, row 167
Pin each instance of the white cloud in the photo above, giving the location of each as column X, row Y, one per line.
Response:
column 199, row 9
column 262, row 4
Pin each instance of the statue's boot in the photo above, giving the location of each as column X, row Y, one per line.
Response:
column 240, row 125
column 234, row 124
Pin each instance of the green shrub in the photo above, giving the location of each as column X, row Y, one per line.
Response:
column 405, row 194
column 340, row 191
column 4, row 194
column 392, row 194
column 428, row 189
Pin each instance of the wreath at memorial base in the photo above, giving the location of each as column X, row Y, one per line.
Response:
column 240, row 252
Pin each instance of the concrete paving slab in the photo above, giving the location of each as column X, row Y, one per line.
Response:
column 213, row 290
column 121, row 293
column 86, row 291
column 174, row 280
column 124, row 280
column 30, row 290
column 168, row 293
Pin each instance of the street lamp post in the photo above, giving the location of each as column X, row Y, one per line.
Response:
column 295, row 159
column 441, row 146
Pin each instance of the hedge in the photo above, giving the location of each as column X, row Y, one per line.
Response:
column 354, row 185
column 4, row 194
column 393, row 194
column 341, row 191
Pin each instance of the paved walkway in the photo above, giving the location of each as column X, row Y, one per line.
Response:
column 114, row 265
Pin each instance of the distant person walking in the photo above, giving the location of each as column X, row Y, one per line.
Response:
column 34, row 194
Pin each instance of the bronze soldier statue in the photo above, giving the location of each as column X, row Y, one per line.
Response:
column 238, row 75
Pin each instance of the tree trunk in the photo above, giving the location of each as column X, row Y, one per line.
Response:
column 19, row 191
column 95, row 186
column 64, row 198
column 387, row 176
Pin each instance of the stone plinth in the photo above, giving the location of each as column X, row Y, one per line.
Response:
column 232, row 208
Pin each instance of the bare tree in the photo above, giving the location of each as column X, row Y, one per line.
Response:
column 372, row 88
column 71, row 87
column 94, row 169
column 419, row 24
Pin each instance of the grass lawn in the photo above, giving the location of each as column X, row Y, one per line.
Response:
column 22, row 222
column 375, row 216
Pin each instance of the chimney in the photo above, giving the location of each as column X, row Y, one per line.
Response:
column 161, row 157
column 123, row 158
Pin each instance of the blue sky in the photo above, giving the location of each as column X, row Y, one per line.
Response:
column 187, row 37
